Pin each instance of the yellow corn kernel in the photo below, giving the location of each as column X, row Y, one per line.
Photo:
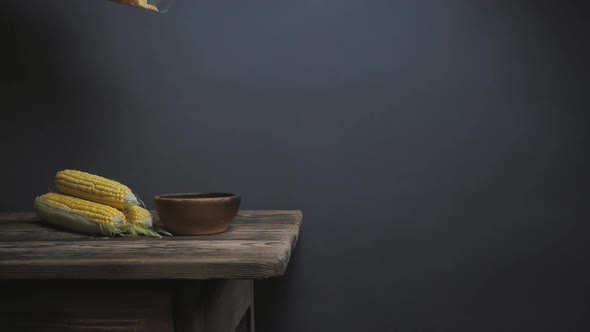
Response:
column 78, row 214
column 138, row 216
column 95, row 188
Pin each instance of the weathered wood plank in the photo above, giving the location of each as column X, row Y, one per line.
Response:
column 258, row 244
column 34, row 232
column 25, row 226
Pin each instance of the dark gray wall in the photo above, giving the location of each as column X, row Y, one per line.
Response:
column 439, row 150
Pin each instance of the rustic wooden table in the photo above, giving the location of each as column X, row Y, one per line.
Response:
column 53, row 280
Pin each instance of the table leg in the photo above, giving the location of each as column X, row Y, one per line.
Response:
column 215, row 306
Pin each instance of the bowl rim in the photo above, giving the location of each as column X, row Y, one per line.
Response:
column 193, row 196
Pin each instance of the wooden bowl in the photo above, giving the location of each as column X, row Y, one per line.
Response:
column 197, row 213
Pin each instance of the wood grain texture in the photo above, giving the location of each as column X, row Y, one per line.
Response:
column 257, row 245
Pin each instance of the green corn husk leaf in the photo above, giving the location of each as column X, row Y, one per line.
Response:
column 134, row 231
column 161, row 231
column 110, row 230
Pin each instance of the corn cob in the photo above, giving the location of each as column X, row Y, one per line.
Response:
column 138, row 216
column 95, row 188
column 139, row 222
column 78, row 214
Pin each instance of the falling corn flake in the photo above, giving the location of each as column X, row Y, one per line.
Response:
column 139, row 3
